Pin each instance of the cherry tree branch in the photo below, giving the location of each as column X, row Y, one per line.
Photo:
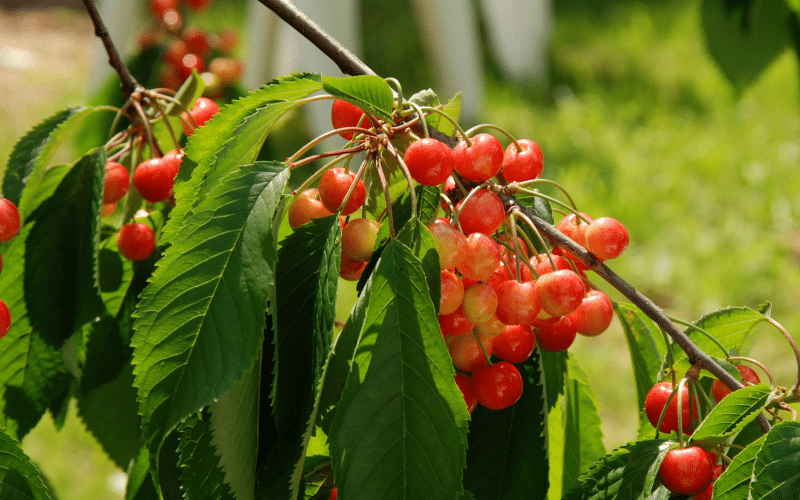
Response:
column 351, row 65
column 129, row 83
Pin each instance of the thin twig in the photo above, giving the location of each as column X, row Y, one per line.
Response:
column 129, row 83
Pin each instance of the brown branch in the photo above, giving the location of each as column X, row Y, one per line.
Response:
column 129, row 83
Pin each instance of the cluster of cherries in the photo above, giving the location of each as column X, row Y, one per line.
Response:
column 689, row 470
column 10, row 223
column 498, row 297
column 192, row 48
column 154, row 180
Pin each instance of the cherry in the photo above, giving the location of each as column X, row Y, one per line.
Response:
column 606, row 238
column 483, row 213
column 108, row 209
column 490, row 327
column 226, row 40
column 594, row 314
column 136, row 241
column 154, row 179
column 10, row 220
column 429, row 161
column 687, row 471
column 559, row 292
column 190, row 61
column 359, row 237
column 175, row 52
column 720, row 390
column 481, row 257
column 556, row 337
column 517, row 303
column 202, row 111
column 498, row 386
column 465, row 350
column 198, row 4
column 5, row 319
column 708, row 493
column 159, row 7
column 344, row 114
column 305, row 207
column 117, row 182
column 333, row 186
column 657, row 399
column 455, row 323
column 515, row 344
column 480, row 303
column 574, row 228
column 500, row 275
column 465, row 384
column 173, row 159
column 227, row 69
column 350, row 270
column 172, row 19
column 452, row 293
column 525, row 165
column 481, row 161
column 197, row 41
column 450, row 244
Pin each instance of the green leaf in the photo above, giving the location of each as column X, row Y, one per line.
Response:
column 191, row 89
column 201, row 475
column 641, row 334
column 140, row 483
column 234, row 427
column 200, row 321
column 736, row 410
column 19, row 479
column 732, row 327
column 583, row 438
column 400, row 428
column 442, row 124
column 777, row 464
column 628, row 472
column 554, row 367
column 507, row 455
column 417, row 237
column 734, row 483
column 28, row 161
column 369, row 92
column 743, row 38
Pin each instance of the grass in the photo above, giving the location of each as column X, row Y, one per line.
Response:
column 641, row 126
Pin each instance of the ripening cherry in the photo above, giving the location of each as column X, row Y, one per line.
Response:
column 227, row 69
column 450, row 244
column 10, row 220
column 116, row 183
column 305, row 207
column 515, row 344
column 574, row 228
column 606, row 238
column 560, row 292
column 656, row 401
column 176, row 49
column 480, row 303
column 491, row 327
column 498, row 386
column 556, row 337
column 197, row 41
column 517, row 303
column 136, row 241
column 483, row 213
column 464, row 383
column 333, row 186
column 501, row 274
column 481, row 256
column 359, row 237
column 525, row 165
column 594, row 314
column 687, row 471
column 351, row 270
column 452, row 292
column 708, row 493
column 159, row 7
column 202, row 111
column 455, row 323
column 5, row 319
column 749, row 376
column 465, row 350
column 190, row 61
column 429, row 161
column 154, row 179
column 481, row 161
column 344, row 114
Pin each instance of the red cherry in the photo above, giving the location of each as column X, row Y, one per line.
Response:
column 483, row 213
column 481, row 161
column 5, row 319
column 154, row 179
column 175, row 52
column 117, row 182
column 452, row 292
column 465, row 384
column 515, row 344
column 490, row 328
column 451, row 244
column 559, row 292
column 10, row 220
column 481, row 256
column 498, row 386
column 455, row 323
column 344, row 114
column 429, row 161
column 525, row 165
column 333, row 186
column 189, row 62
column 305, row 207
column 720, row 390
column 136, row 241
column 480, row 303
column 687, row 471
column 197, row 41
column 606, row 238
column 333, row 494
column 517, row 303
column 594, row 314
column 173, row 159
column 350, row 270
column 198, row 4
column 466, row 352
column 556, row 337
column 202, row 111
column 657, row 399
column 159, row 7
column 574, row 228
column 708, row 493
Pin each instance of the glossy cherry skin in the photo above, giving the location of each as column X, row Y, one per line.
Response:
column 483, row 213
column 657, row 399
column 204, row 108
column 154, row 179
column 481, row 257
column 517, row 303
column 452, row 292
column 429, row 161
column 333, row 187
column 10, row 220
column 464, row 383
column 515, row 344
column 344, row 114
column 465, row 350
column 708, row 493
column 524, row 165
column 594, row 314
column 5, row 319
column 305, row 207
column 606, row 238
column 687, row 471
column 136, row 241
column 480, row 303
column 481, row 161
column 560, row 292
column 117, row 182
column 455, row 323
column 349, row 269
column 720, row 390
column 451, row 244
column 359, row 237
column 556, row 337
column 498, row 386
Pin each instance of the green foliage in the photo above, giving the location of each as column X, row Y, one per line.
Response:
column 19, row 479
column 368, row 92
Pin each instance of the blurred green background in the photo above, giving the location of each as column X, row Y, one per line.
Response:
column 637, row 123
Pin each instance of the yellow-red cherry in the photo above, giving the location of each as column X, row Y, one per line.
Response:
column 333, row 186
column 480, row 161
column 498, row 386
column 429, row 161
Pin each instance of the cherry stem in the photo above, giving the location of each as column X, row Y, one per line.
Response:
column 340, row 152
column 483, row 349
column 155, row 150
column 129, row 83
column 516, row 247
column 664, row 410
column 300, row 152
column 548, row 182
column 499, row 129
column 700, row 330
column 153, row 100
column 398, row 90
column 679, row 404
column 543, row 196
column 464, row 204
column 407, row 173
column 525, row 218
column 422, row 119
column 796, row 389
column 385, row 187
column 758, row 364
column 451, row 120
column 519, row 257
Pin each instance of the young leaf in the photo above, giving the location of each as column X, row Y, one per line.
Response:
column 734, row 483
column 583, row 438
column 777, row 465
column 735, row 411
column 417, row 237
column 554, row 367
column 731, row 326
column 400, row 427
column 369, row 92
column 201, row 475
column 640, row 333
column 19, row 479
column 442, row 124
column 507, row 455
column 628, row 472
column 200, row 321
